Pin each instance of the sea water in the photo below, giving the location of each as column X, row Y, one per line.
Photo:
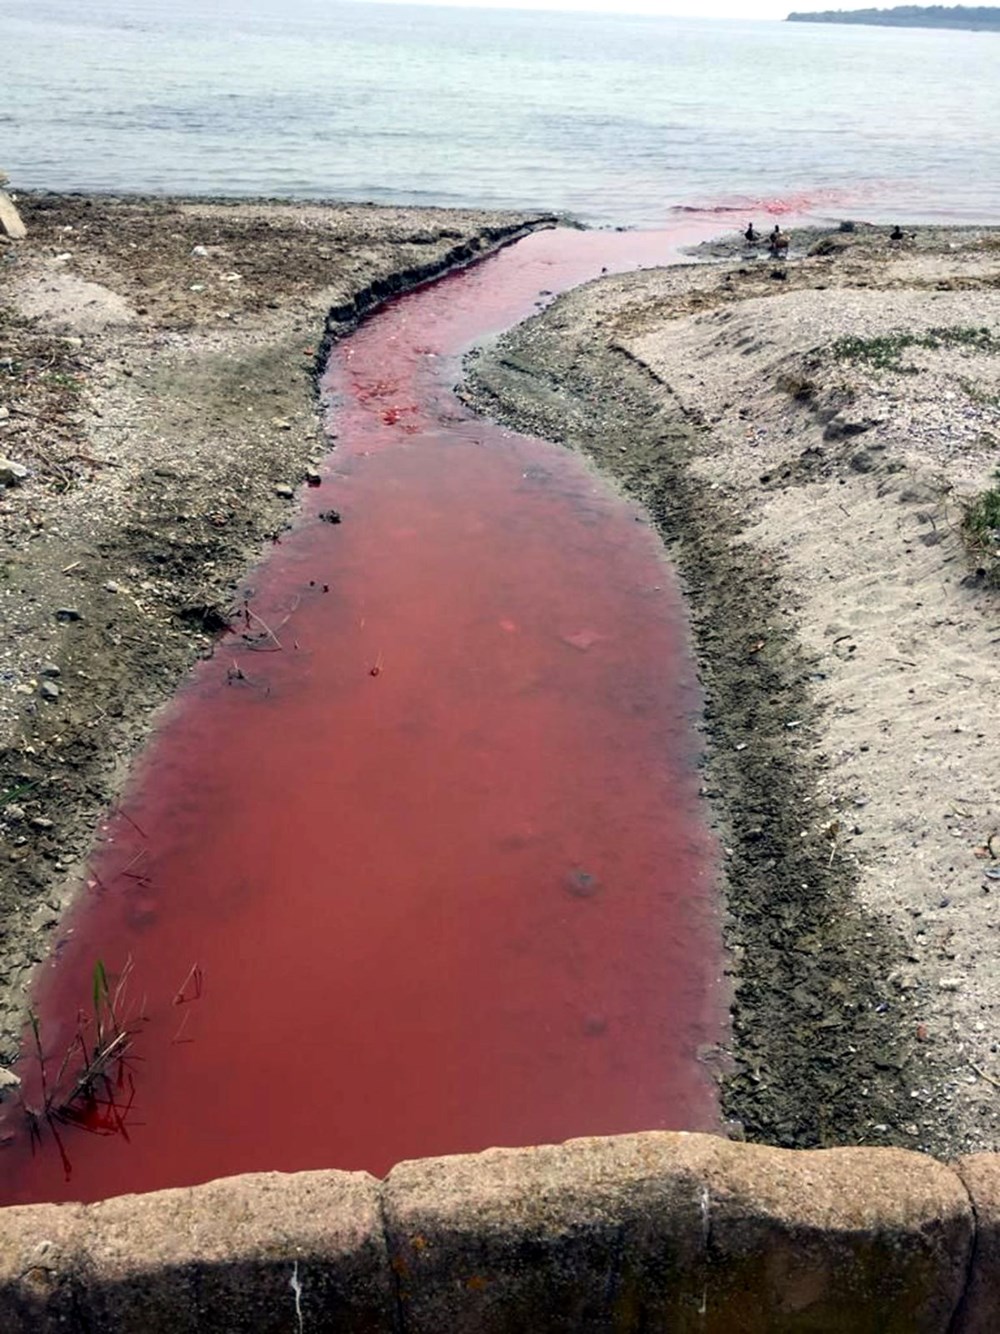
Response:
column 613, row 118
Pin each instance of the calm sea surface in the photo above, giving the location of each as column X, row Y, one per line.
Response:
column 615, row 119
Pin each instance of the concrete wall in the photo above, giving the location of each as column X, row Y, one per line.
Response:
column 649, row 1232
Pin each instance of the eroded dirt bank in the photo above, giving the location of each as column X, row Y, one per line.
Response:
column 803, row 435
column 157, row 364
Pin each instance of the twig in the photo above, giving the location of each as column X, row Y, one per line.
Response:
column 984, row 1075
column 50, row 462
column 261, row 622
column 94, row 463
column 120, row 810
column 194, row 976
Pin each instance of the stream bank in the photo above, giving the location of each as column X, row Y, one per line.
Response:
column 157, row 367
column 846, row 649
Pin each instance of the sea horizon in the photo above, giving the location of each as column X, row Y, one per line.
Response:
column 611, row 119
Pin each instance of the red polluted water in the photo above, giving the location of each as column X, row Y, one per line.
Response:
column 415, row 865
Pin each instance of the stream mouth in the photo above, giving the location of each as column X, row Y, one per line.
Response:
column 416, row 863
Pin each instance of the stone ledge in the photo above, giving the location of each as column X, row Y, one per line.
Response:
column 636, row 1232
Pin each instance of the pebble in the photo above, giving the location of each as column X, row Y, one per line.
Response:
column 950, row 984
column 284, row 491
column 51, row 669
column 69, row 614
column 11, row 473
column 49, row 690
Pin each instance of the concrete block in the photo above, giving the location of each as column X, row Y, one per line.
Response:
column 875, row 1241
column 591, row 1235
column 980, row 1312
column 39, row 1267
column 677, row 1232
column 10, row 219
column 251, row 1253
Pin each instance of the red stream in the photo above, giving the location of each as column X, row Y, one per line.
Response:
column 415, row 865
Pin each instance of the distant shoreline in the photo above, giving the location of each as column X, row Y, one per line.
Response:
column 956, row 17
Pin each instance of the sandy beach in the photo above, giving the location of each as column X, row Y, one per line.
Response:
column 806, row 466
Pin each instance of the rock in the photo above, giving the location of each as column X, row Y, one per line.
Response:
column 839, row 429
column 581, row 884
column 65, row 614
column 862, row 461
column 41, row 823
column 330, row 516
column 49, row 690
column 313, row 478
column 11, row 473
column 207, row 614
column 50, row 669
column 10, row 219
column 199, row 251
column 13, row 812
column 826, row 245
column 10, row 1084
column 284, row 491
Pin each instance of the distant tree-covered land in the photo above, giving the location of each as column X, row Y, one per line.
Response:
column 976, row 18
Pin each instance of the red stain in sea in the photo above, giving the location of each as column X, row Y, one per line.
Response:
column 416, row 865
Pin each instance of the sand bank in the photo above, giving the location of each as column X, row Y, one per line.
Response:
column 807, row 465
